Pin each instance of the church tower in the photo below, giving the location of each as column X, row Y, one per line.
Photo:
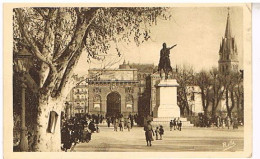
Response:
column 228, row 55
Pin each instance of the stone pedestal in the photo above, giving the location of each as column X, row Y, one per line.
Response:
column 166, row 99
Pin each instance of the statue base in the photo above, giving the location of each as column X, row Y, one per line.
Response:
column 166, row 99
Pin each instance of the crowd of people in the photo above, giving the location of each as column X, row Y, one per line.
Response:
column 120, row 121
column 219, row 121
column 78, row 129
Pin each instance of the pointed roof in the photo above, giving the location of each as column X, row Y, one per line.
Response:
column 228, row 27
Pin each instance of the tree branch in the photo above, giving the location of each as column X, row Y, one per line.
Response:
column 41, row 12
column 29, row 40
column 84, row 19
column 48, row 40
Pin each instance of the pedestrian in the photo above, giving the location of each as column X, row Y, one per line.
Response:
column 177, row 123
column 128, row 124
column 223, row 123
column 218, row 121
column 108, row 121
column 115, row 124
column 125, row 123
column 180, row 125
column 121, row 124
column 161, row 131
column 235, row 123
column 131, row 120
column 228, row 122
column 174, row 124
column 91, row 126
column 149, row 133
column 97, row 128
column 171, row 125
column 157, row 133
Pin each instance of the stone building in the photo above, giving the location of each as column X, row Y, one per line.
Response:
column 77, row 99
column 113, row 91
column 228, row 59
column 228, row 54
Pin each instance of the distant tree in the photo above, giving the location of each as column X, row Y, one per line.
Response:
column 204, row 81
column 234, row 91
column 217, row 89
column 57, row 37
column 185, row 79
column 239, row 93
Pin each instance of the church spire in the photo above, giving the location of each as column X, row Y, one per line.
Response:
column 228, row 28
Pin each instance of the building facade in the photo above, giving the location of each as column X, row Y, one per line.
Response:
column 228, row 54
column 113, row 91
column 228, row 60
column 77, row 99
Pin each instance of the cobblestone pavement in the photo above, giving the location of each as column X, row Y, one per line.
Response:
column 189, row 139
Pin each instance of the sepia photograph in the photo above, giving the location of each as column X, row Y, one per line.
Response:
column 166, row 79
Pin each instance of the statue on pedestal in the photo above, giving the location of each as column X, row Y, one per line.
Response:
column 165, row 63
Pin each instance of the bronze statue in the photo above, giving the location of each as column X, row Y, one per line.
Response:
column 165, row 63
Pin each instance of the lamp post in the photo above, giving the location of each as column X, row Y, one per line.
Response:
column 22, row 60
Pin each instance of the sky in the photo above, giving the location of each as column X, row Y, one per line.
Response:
column 197, row 31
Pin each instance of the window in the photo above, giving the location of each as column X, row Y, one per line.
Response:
column 97, row 101
column 129, row 101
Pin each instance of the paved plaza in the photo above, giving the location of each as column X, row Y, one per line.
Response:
column 189, row 139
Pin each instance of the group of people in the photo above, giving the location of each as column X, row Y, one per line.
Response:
column 149, row 133
column 77, row 129
column 219, row 122
column 176, row 124
column 226, row 122
column 120, row 121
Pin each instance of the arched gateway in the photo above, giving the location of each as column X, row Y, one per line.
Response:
column 113, row 103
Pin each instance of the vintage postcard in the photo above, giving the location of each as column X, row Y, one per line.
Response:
column 145, row 80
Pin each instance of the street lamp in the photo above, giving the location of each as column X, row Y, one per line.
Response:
column 23, row 62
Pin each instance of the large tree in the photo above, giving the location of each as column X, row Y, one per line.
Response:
column 56, row 37
column 204, row 81
column 185, row 79
column 218, row 90
column 239, row 93
column 234, row 91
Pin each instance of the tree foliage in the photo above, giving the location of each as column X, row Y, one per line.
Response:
column 57, row 36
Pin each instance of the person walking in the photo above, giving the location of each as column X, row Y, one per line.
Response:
column 223, row 123
column 218, row 121
column 177, row 123
column 157, row 133
column 128, row 124
column 115, row 124
column 174, row 124
column 228, row 122
column 171, row 125
column 180, row 125
column 161, row 131
column 121, row 124
column 149, row 133
column 108, row 121
column 132, row 120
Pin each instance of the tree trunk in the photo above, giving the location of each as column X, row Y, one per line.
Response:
column 205, row 111
column 47, row 141
column 238, row 106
